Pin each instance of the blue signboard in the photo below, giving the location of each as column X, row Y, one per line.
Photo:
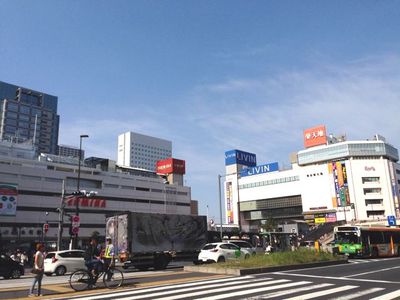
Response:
column 233, row 157
column 272, row 167
column 391, row 220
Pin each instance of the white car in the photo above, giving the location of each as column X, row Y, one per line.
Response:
column 221, row 252
column 61, row 262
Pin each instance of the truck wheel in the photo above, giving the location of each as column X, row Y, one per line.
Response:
column 160, row 262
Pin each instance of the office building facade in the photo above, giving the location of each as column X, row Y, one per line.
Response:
column 142, row 151
column 28, row 116
column 32, row 192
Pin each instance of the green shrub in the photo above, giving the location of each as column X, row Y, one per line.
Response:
column 299, row 256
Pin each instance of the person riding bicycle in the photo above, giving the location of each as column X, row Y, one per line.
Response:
column 109, row 256
column 92, row 259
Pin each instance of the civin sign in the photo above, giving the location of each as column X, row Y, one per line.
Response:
column 272, row 167
column 233, row 157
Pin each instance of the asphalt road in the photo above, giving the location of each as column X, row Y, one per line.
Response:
column 359, row 279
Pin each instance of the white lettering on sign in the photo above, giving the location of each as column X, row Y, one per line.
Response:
column 369, row 168
column 314, row 134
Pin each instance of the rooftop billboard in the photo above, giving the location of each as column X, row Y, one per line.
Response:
column 315, row 136
column 271, row 167
column 238, row 157
column 171, row 165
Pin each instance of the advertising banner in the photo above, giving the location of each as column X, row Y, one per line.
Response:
column 339, row 174
column 171, row 165
column 272, row 167
column 233, row 157
column 315, row 136
column 229, row 202
column 8, row 199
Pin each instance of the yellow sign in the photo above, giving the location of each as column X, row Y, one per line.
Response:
column 320, row 220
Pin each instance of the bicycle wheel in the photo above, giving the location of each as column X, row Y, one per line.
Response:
column 79, row 280
column 113, row 278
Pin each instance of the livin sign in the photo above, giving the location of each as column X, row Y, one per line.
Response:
column 272, row 167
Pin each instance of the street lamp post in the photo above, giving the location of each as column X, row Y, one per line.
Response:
column 79, row 181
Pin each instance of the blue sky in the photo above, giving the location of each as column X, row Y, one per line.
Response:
column 209, row 75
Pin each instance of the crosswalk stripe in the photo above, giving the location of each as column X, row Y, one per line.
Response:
column 359, row 294
column 166, row 287
column 292, row 291
column 239, row 285
column 252, row 291
column 323, row 293
column 389, row 296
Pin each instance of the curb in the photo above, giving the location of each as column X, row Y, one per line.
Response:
column 248, row 271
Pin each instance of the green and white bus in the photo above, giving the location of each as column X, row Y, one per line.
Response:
column 367, row 241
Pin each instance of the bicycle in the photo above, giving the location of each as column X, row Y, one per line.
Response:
column 83, row 279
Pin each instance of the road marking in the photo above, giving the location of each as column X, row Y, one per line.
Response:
column 292, row 291
column 238, row 285
column 335, row 278
column 247, row 292
column 324, row 292
column 375, row 271
column 166, row 287
column 389, row 296
column 249, row 288
column 359, row 294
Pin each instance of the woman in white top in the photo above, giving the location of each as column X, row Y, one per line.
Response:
column 39, row 266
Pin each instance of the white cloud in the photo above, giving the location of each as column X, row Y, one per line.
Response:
column 262, row 115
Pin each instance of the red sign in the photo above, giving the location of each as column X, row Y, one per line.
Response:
column 85, row 202
column 45, row 227
column 315, row 136
column 171, row 166
column 75, row 230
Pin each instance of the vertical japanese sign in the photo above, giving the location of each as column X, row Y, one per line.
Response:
column 8, row 199
column 229, row 202
column 339, row 173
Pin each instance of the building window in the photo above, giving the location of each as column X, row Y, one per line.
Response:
column 374, row 213
column 370, row 179
column 373, row 201
column 372, row 191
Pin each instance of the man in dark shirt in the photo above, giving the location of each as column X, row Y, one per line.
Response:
column 92, row 258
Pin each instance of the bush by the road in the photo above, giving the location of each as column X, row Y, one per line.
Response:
column 299, row 256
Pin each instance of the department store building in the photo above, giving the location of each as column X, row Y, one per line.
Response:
column 331, row 180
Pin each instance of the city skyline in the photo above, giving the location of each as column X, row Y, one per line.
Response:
column 209, row 76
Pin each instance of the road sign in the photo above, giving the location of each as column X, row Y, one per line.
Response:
column 75, row 219
column 75, row 230
column 45, row 227
column 391, row 220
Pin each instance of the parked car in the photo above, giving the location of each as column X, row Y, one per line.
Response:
column 244, row 245
column 221, row 252
column 61, row 262
column 10, row 268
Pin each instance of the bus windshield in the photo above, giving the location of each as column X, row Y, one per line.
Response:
column 346, row 237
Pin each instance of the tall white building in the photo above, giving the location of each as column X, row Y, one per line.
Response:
column 142, row 151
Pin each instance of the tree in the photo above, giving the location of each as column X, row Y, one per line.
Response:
column 269, row 225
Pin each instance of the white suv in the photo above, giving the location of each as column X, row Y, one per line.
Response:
column 221, row 252
column 61, row 262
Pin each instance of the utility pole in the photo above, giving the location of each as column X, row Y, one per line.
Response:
column 61, row 217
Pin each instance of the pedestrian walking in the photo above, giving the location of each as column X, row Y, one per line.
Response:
column 38, row 270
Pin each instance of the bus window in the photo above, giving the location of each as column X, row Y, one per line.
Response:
column 346, row 237
column 376, row 237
